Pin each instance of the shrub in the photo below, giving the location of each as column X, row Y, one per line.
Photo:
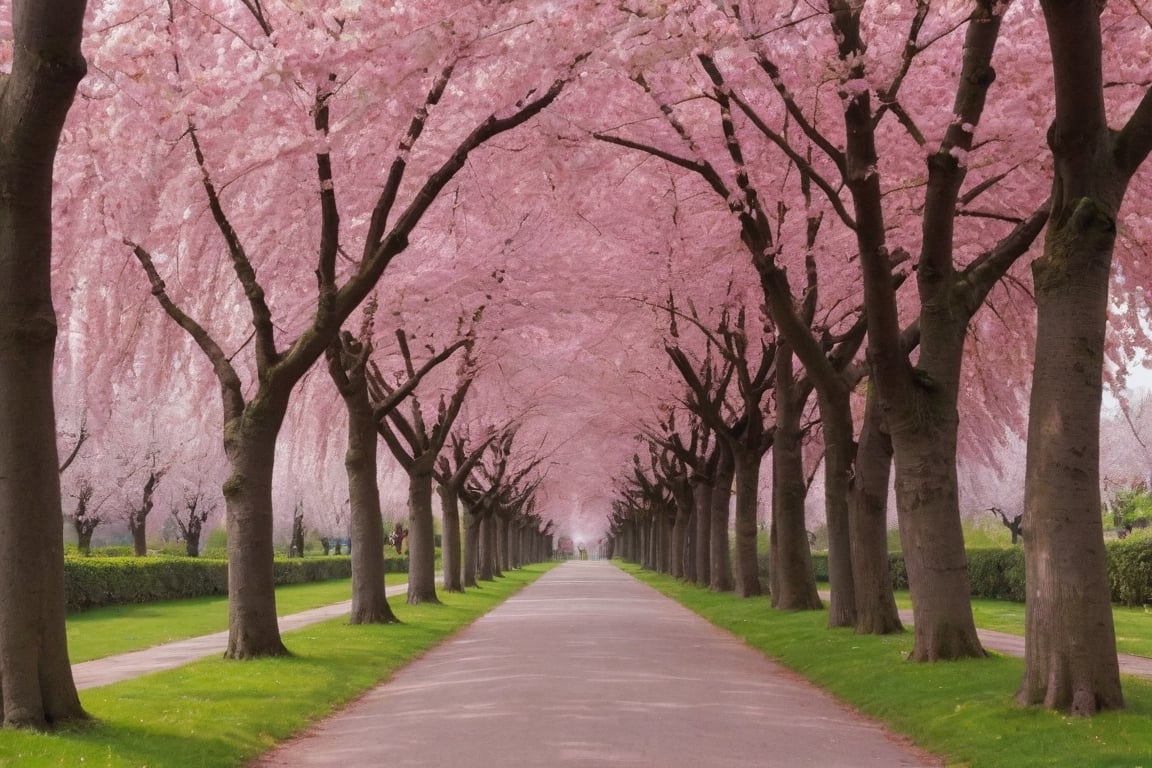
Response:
column 1130, row 570
column 91, row 582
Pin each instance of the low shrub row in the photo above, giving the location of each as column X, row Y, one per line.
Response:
column 998, row 573
column 91, row 582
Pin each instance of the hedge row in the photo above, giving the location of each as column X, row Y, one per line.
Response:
column 998, row 574
column 91, row 582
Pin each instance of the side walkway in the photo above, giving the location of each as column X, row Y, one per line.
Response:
column 113, row 669
column 588, row 667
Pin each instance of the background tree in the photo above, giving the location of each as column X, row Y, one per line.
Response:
column 190, row 517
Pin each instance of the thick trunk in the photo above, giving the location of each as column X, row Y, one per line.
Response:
column 792, row 579
column 933, row 541
column 1070, row 649
column 702, row 504
column 369, row 601
column 450, row 539
column 839, row 450
column 36, row 685
column 421, row 537
column 250, row 445
column 471, row 546
column 720, row 574
column 747, row 497
column 876, row 612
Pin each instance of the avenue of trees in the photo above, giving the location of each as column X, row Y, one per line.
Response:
column 505, row 238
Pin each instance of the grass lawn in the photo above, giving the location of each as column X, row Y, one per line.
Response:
column 962, row 710
column 1133, row 625
column 123, row 628
column 216, row 713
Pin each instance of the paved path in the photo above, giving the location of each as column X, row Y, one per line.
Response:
column 589, row 667
column 113, row 669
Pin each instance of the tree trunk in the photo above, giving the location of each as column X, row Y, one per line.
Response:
column 702, row 486
column 791, row 576
column 471, row 546
column 505, row 529
column 747, row 496
column 136, row 526
column 679, row 538
column 933, row 543
column 1070, row 644
column 487, row 548
column 839, row 456
column 369, row 601
column 84, row 542
column 720, row 574
column 450, row 540
column 250, row 445
column 876, row 612
column 191, row 543
column 421, row 536
column 36, row 685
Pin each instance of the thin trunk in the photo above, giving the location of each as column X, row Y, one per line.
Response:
column 487, row 546
column 250, row 445
column 421, row 537
column 702, row 486
column 839, row 449
column 679, row 540
column 876, row 612
column 369, row 601
column 450, row 539
column 471, row 546
column 499, row 545
column 747, row 497
column 720, row 578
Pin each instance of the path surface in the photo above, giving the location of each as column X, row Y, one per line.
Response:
column 589, row 667
column 113, row 669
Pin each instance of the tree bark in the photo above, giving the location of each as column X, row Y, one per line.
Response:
column 422, row 535
column 471, row 546
column 747, row 496
column 876, row 612
column 450, row 539
column 250, row 445
column 720, row 575
column 369, row 600
column 487, row 545
column 793, row 582
column 839, row 457
column 36, row 685
column 1070, row 648
column 702, row 504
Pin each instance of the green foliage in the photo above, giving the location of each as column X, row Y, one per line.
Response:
column 1130, row 506
column 1130, row 570
column 963, row 710
column 218, row 713
column 997, row 573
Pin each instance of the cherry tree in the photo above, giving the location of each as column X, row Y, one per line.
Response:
column 296, row 68
column 43, row 65
column 1070, row 654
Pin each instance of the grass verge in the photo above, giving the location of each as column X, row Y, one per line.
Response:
column 962, row 710
column 217, row 713
column 1133, row 625
column 122, row 628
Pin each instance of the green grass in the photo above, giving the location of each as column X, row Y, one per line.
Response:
column 123, row 628
column 962, row 710
column 216, row 713
column 1133, row 625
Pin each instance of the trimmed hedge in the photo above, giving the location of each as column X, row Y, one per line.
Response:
column 92, row 582
column 998, row 573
